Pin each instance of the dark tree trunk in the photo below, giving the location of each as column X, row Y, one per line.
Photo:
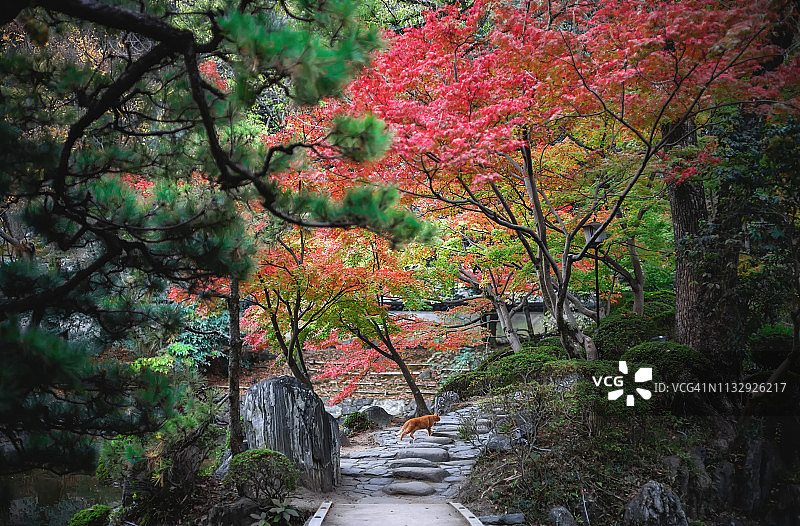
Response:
column 705, row 305
column 637, row 283
column 422, row 406
column 688, row 206
column 234, row 364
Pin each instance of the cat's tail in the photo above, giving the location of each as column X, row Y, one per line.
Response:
column 403, row 431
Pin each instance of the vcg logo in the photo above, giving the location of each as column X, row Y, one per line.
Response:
column 644, row 374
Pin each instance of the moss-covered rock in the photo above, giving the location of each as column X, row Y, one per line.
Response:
column 621, row 331
column 97, row 515
column 358, row 422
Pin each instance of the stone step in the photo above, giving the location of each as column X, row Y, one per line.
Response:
column 412, row 462
column 429, row 453
column 436, row 439
column 416, row 473
column 415, row 488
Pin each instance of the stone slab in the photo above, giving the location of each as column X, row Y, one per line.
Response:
column 417, row 473
column 415, row 488
column 429, row 453
column 412, row 462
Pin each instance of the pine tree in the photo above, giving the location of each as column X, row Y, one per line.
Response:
column 107, row 114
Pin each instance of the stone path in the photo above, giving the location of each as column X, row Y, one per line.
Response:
column 432, row 467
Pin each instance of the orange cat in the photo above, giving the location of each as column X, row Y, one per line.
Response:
column 415, row 424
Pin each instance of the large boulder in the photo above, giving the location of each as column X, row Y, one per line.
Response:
column 654, row 505
column 560, row 516
column 443, row 403
column 377, row 415
column 284, row 415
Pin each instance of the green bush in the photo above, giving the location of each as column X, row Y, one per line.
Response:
column 662, row 296
column 672, row 362
column 358, row 422
column 663, row 317
column 770, row 345
column 523, row 366
column 493, row 357
column 549, row 341
column 262, row 475
column 97, row 515
column 621, row 331
column 466, row 384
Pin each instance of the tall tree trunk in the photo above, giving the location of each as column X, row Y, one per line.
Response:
column 509, row 331
column 234, row 365
column 492, row 319
column 422, row 406
column 705, row 303
column 688, row 205
column 528, row 321
column 637, row 283
column 687, row 202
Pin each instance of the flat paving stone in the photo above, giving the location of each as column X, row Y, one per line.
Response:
column 411, row 472
column 412, row 462
column 429, row 453
column 436, row 439
column 416, row 488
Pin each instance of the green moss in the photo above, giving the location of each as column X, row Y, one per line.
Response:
column 549, row 341
column 97, row 515
column 672, row 361
column 467, row 384
column 621, row 331
column 663, row 317
column 358, row 422
column 262, row 475
column 493, row 357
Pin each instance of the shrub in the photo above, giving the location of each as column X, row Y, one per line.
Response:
column 589, row 402
column 770, row 345
column 262, row 475
column 358, row 422
column 663, row 317
column 97, row 515
column 621, row 331
column 672, row 361
column 522, row 366
column 549, row 341
column 662, row 296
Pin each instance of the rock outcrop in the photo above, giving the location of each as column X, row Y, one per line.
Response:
column 284, row 415
column 654, row 505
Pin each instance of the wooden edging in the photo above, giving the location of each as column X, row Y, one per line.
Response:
column 471, row 518
column 319, row 515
